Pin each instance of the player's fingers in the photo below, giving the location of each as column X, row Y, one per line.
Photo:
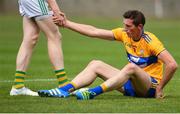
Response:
column 64, row 23
column 55, row 19
column 160, row 96
column 60, row 23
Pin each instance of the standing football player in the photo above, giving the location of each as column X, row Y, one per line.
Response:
column 37, row 16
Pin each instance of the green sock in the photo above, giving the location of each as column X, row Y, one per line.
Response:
column 19, row 79
column 61, row 77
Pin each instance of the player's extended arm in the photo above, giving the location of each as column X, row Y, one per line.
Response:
column 53, row 5
column 59, row 16
column 90, row 31
column 170, row 68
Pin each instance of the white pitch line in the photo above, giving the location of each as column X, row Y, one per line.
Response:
column 43, row 80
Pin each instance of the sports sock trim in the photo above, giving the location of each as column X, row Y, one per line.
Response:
column 104, row 87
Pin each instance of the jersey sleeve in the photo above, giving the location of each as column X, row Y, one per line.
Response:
column 156, row 46
column 118, row 34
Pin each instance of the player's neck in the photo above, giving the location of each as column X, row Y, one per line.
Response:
column 138, row 36
column 136, row 39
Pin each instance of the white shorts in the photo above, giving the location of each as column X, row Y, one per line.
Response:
column 34, row 9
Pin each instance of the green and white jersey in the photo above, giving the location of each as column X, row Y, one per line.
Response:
column 34, row 8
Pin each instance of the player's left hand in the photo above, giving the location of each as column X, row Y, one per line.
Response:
column 159, row 93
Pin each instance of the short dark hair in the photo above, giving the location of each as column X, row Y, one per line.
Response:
column 137, row 17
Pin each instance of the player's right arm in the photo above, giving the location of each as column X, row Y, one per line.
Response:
column 89, row 30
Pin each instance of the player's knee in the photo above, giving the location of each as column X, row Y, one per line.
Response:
column 95, row 64
column 31, row 39
column 34, row 39
column 55, row 32
column 59, row 35
column 56, row 36
column 131, row 68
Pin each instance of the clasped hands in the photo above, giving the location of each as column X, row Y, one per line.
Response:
column 59, row 18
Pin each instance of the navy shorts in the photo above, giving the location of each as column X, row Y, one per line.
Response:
column 129, row 90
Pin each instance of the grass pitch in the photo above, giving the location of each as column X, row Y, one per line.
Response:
column 78, row 52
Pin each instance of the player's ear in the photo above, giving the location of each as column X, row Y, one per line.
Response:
column 140, row 26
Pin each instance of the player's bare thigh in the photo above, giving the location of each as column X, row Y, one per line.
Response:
column 93, row 70
column 47, row 26
column 30, row 28
column 104, row 70
column 141, row 80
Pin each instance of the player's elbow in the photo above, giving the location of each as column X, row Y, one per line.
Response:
column 173, row 66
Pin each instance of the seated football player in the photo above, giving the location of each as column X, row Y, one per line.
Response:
column 144, row 74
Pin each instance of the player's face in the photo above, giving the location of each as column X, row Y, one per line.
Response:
column 132, row 30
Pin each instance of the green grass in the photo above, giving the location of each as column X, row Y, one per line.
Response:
column 78, row 52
